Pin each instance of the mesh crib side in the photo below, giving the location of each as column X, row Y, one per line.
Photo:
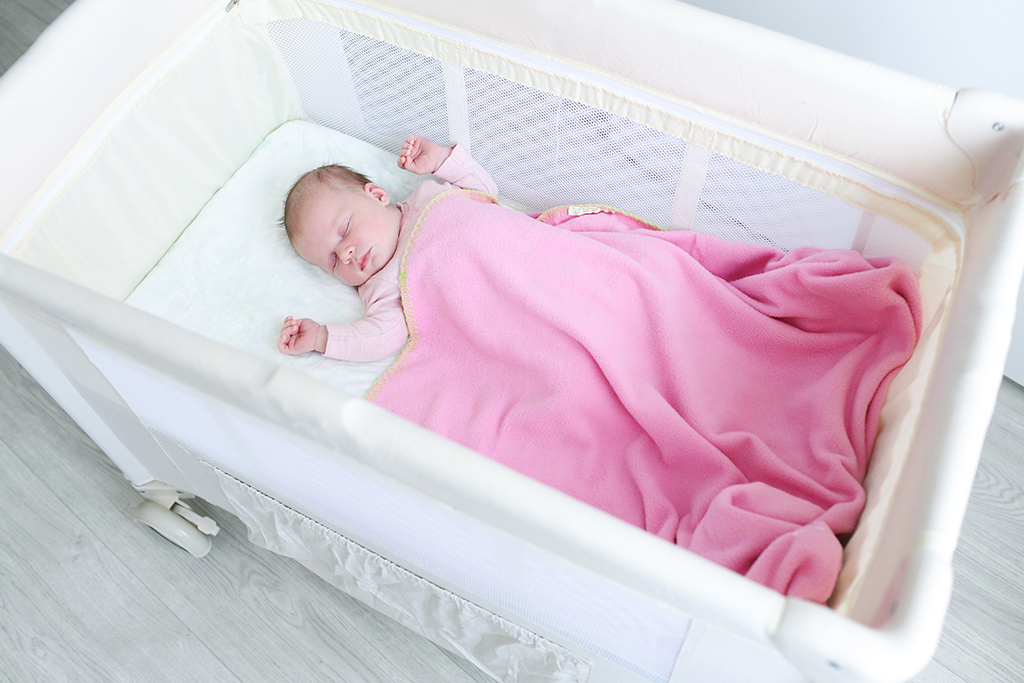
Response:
column 545, row 149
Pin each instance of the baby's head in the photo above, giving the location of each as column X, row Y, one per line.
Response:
column 340, row 221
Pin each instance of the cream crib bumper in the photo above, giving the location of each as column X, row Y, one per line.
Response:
column 49, row 100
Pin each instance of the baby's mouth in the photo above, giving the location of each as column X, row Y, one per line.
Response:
column 363, row 262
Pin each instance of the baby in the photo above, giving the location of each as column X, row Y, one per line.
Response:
column 340, row 221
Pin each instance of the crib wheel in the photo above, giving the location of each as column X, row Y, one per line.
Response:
column 173, row 527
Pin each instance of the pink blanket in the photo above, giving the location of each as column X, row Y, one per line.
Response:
column 723, row 396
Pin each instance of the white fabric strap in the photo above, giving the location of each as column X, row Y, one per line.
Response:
column 338, row 105
column 713, row 654
column 691, row 184
column 458, row 105
column 860, row 240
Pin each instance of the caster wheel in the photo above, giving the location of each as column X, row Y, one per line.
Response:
column 173, row 527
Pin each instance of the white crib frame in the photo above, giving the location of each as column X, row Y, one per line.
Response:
column 736, row 630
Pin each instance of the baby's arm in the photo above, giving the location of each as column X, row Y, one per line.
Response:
column 453, row 164
column 369, row 339
column 422, row 156
column 379, row 334
column 301, row 336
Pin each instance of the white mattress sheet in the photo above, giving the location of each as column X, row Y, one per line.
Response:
column 233, row 276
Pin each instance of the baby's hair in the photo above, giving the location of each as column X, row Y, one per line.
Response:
column 333, row 176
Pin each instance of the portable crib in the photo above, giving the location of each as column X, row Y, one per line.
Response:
column 124, row 119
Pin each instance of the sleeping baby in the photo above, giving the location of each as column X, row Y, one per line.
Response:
column 340, row 221
column 723, row 396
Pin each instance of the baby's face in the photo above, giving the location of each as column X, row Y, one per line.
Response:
column 351, row 233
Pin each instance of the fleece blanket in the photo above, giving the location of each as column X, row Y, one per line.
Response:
column 723, row 396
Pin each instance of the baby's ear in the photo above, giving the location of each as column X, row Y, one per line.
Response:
column 378, row 192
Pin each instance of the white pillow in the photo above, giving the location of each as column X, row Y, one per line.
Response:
column 232, row 274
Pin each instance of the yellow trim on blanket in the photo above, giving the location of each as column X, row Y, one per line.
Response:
column 403, row 285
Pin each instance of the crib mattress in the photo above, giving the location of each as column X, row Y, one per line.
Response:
column 233, row 276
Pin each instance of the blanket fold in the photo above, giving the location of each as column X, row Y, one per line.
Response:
column 723, row 396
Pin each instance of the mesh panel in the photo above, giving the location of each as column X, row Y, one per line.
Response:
column 887, row 238
column 326, row 93
column 363, row 87
column 400, row 92
column 748, row 205
column 544, row 150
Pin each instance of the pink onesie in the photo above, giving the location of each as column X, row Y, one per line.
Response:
column 383, row 331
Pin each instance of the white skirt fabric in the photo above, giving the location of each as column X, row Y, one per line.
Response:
column 437, row 614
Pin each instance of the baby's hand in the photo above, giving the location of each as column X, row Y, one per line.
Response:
column 421, row 155
column 300, row 336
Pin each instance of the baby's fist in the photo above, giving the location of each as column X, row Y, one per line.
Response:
column 421, row 155
column 299, row 336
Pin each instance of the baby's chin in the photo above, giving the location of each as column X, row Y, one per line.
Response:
column 355, row 283
column 358, row 281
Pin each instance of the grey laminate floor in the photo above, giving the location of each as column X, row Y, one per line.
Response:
column 21, row 21
column 88, row 595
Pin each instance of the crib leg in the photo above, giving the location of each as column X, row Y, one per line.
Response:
column 164, row 512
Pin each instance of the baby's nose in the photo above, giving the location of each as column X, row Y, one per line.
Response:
column 348, row 254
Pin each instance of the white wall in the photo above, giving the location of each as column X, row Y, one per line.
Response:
column 959, row 43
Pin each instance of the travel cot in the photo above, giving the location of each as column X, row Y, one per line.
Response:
column 687, row 119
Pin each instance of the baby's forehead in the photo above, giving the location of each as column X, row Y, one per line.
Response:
column 336, row 177
column 319, row 205
column 319, row 191
column 313, row 191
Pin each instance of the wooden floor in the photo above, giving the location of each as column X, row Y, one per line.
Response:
column 21, row 21
column 86, row 594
